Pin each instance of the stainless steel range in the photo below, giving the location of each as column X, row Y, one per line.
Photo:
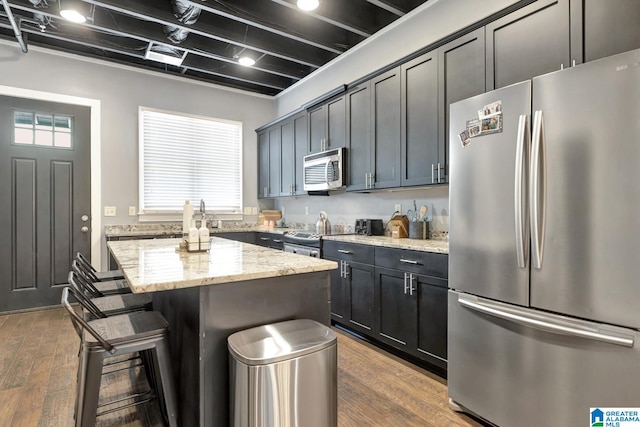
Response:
column 303, row 243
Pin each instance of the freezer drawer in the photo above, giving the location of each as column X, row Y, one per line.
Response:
column 517, row 375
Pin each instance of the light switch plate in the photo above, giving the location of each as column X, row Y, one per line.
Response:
column 306, row 210
column 109, row 211
column 132, row 211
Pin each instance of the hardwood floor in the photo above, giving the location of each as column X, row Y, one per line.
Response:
column 38, row 363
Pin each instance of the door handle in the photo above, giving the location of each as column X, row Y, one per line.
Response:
column 432, row 172
column 520, row 188
column 547, row 325
column 405, row 283
column 537, row 191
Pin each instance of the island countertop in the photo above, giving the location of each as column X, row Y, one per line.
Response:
column 157, row 265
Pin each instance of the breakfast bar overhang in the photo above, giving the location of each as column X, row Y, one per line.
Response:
column 207, row 296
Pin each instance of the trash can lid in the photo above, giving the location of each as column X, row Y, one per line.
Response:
column 280, row 341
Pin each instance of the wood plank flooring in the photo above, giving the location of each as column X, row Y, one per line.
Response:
column 38, row 365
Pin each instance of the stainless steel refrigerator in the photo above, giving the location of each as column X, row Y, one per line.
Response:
column 544, row 246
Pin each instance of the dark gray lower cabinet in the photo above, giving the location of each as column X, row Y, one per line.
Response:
column 412, row 314
column 352, row 285
column 239, row 236
column 394, row 296
column 269, row 240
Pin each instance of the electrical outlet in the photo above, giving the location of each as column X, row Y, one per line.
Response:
column 247, row 210
column 398, row 207
column 254, row 210
column 132, row 211
column 306, row 210
column 109, row 211
column 282, row 211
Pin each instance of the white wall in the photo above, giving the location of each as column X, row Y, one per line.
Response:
column 120, row 91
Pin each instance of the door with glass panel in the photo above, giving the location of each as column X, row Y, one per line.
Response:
column 45, row 195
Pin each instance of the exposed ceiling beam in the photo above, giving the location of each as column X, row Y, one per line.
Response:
column 328, row 19
column 239, row 74
column 388, row 7
column 154, row 12
column 130, row 28
column 257, row 22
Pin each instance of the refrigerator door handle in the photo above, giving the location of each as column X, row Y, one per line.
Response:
column 520, row 189
column 543, row 324
column 537, row 191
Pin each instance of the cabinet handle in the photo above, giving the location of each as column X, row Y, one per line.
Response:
column 409, row 261
column 341, row 269
column 344, row 251
column 265, row 238
column 405, row 283
column 432, row 173
column 346, row 269
column 277, row 240
column 438, row 172
column 411, row 288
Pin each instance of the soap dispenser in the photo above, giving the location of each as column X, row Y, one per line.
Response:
column 204, row 236
column 194, row 237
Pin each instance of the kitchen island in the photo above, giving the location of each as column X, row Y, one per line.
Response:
column 207, row 296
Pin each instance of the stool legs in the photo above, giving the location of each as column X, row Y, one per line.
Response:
column 89, row 388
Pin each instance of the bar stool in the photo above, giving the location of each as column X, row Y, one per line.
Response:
column 143, row 331
column 100, row 276
column 108, row 305
column 99, row 289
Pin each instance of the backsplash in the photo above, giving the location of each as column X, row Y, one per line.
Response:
column 344, row 208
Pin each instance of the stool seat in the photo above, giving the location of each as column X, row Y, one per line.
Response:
column 112, row 287
column 122, row 303
column 109, row 275
column 124, row 328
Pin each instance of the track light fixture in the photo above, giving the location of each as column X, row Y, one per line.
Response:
column 74, row 10
column 308, row 5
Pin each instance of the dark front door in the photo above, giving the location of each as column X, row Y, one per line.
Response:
column 46, row 199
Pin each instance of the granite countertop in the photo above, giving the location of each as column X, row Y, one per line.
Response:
column 156, row 265
column 133, row 230
column 437, row 246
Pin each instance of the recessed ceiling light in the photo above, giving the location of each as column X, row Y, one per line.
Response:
column 246, row 61
column 73, row 11
column 308, row 4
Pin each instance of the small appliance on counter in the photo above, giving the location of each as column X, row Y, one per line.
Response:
column 369, row 227
column 323, row 226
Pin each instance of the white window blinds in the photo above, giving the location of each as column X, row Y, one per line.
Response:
column 189, row 158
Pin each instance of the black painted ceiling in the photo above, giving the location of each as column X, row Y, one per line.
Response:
column 287, row 43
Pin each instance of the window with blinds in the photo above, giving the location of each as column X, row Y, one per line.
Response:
column 189, row 158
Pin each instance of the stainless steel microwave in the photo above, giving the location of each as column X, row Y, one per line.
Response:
column 324, row 171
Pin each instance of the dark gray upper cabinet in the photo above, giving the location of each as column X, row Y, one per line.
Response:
column 301, row 146
column 385, row 106
column 603, row 28
column 461, row 74
column 360, row 156
column 529, row 42
column 263, row 164
column 287, row 159
column 420, row 145
column 327, row 125
column 275, row 145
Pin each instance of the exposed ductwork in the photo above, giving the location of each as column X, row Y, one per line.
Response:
column 15, row 26
column 187, row 13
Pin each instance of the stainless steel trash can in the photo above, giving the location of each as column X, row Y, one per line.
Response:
column 284, row 375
